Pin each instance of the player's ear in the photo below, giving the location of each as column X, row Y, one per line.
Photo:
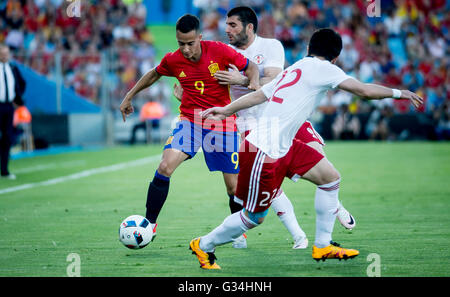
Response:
column 250, row 28
column 200, row 36
column 334, row 60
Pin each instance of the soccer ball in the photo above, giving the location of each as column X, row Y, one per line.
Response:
column 135, row 232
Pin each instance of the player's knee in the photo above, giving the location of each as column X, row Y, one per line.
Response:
column 257, row 217
column 165, row 168
column 331, row 175
column 231, row 189
column 230, row 183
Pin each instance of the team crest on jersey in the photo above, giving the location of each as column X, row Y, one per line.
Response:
column 182, row 74
column 258, row 60
column 213, row 68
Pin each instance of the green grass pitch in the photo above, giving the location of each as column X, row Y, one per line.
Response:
column 399, row 194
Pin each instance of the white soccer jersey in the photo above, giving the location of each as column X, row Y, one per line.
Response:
column 264, row 52
column 293, row 95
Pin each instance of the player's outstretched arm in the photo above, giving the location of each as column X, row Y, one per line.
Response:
column 144, row 82
column 373, row 91
column 246, row 101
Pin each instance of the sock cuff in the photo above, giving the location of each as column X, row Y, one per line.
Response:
column 160, row 177
column 249, row 224
column 330, row 186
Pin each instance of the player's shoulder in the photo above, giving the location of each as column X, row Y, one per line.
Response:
column 317, row 63
column 175, row 55
column 269, row 41
column 270, row 46
column 214, row 44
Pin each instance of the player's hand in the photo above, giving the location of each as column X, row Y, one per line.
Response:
column 177, row 91
column 233, row 77
column 215, row 113
column 254, row 87
column 126, row 108
column 415, row 99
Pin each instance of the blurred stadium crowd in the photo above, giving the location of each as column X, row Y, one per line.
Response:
column 404, row 45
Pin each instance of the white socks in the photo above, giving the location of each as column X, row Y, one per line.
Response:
column 232, row 227
column 283, row 208
column 326, row 204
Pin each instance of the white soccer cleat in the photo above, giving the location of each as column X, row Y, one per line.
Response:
column 345, row 218
column 301, row 243
column 10, row 176
column 240, row 242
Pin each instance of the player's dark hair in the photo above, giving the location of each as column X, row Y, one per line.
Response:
column 325, row 43
column 246, row 16
column 187, row 23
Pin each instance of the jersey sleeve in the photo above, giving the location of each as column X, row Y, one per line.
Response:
column 231, row 56
column 335, row 76
column 275, row 55
column 164, row 68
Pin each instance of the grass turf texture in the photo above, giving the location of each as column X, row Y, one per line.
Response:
column 398, row 192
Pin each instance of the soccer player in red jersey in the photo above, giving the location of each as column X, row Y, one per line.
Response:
column 194, row 65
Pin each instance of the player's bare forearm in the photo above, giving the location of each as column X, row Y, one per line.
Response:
column 126, row 107
column 269, row 74
column 252, row 73
column 377, row 92
column 144, row 82
column 246, row 101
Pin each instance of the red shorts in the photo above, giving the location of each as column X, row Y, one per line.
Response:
column 260, row 176
column 307, row 134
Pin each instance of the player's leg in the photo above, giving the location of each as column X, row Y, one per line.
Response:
column 159, row 186
column 282, row 206
column 230, row 180
column 234, row 226
column 221, row 154
column 284, row 209
column 343, row 215
column 311, row 137
column 179, row 147
column 326, row 204
column 307, row 163
column 255, row 199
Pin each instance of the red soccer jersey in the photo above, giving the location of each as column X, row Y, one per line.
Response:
column 201, row 89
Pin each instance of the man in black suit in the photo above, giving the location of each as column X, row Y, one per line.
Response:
column 12, row 87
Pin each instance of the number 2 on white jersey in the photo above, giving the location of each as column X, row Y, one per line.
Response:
column 298, row 75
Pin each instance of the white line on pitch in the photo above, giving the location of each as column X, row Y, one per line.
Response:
column 82, row 174
column 42, row 167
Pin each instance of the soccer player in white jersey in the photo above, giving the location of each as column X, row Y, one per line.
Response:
column 268, row 54
column 266, row 158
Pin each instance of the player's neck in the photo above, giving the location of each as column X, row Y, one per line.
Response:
column 199, row 56
column 251, row 39
column 314, row 56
